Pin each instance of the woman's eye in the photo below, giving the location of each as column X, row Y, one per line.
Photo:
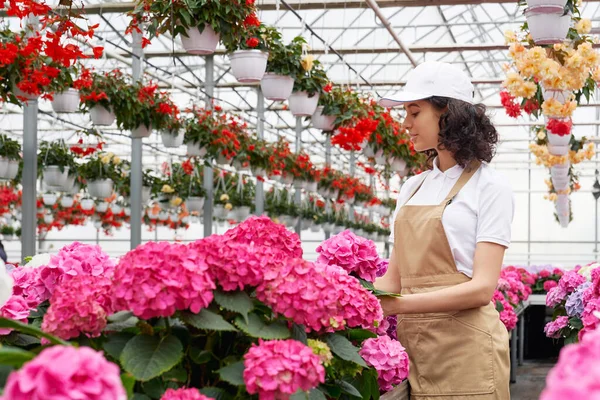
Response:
column 414, row 115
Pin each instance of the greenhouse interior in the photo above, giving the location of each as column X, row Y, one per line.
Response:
column 299, row 199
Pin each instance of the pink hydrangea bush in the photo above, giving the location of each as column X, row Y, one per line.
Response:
column 570, row 281
column 15, row 308
column 158, row 278
column 277, row 369
column 29, row 285
column 553, row 328
column 353, row 253
column 184, row 394
column 506, row 310
column 389, row 358
column 555, row 296
column 66, row 372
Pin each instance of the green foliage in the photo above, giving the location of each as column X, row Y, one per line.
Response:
column 312, row 81
column 286, row 59
column 112, row 84
column 9, row 148
column 56, row 154
column 146, row 357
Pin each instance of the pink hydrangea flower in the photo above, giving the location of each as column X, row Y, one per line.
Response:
column 549, row 285
column 507, row 312
column 544, row 274
column 28, row 284
column 80, row 305
column 589, row 316
column 353, row 253
column 577, row 372
column 83, row 259
column 389, row 358
column 555, row 296
column 184, row 394
column 66, row 372
column 158, row 278
column 571, row 281
column 552, row 329
column 263, row 232
column 382, row 266
column 277, row 369
column 15, row 308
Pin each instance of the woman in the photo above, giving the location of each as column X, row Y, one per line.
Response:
column 452, row 225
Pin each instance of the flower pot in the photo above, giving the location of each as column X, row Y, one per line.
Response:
column 195, row 204
column 198, row 43
column 116, row 209
column 49, row 199
column 548, row 25
column 558, row 140
column 562, row 203
column 170, row 140
column 380, row 158
column 8, row 168
column 562, row 96
column 368, row 151
column 101, row 188
column 66, row 102
column 222, row 160
column 146, row 191
column 276, row 87
column 101, row 116
column 19, row 93
column 323, row 122
column 301, row 105
column 558, row 150
column 87, row 204
column 194, row 149
column 102, row 207
column 315, row 228
column 141, row 131
column 152, row 215
column 259, row 172
column 287, row 180
column 4, row 167
column 398, row 165
column 67, row 201
column 541, row 5
column 560, row 169
column 48, row 219
column 69, row 184
column 275, row 178
column 185, row 220
column 560, row 182
column 248, row 65
column 299, row 184
column 306, row 223
column 311, row 187
column 163, row 216
column 75, row 189
column 239, row 166
column 53, row 176
column 127, row 211
column 339, row 229
column 241, row 213
column 563, row 219
column 219, row 211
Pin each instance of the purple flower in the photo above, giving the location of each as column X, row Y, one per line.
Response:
column 575, row 304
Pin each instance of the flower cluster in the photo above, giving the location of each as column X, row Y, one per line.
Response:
column 389, row 358
column 278, row 368
column 552, row 329
column 507, row 312
column 158, row 278
column 514, row 287
column 183, row 394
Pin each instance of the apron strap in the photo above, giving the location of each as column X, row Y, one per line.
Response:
column 418, row 187
column 467, row 173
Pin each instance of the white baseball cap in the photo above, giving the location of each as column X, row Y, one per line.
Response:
column 433, row 78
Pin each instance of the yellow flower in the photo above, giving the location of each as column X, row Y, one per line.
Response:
column 167, row 189
column 228, row 206
column 116, row 160
column 541, row 135
column 176, row 201
column 583, row 26
column 224, row 197
column 553, row 108
column 105, row 159
column 307, row 62
column 510, row 37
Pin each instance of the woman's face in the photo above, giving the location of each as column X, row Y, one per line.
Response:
column 422, row 123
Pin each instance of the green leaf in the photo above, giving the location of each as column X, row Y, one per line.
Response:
column 213, row 392
column 299, row 395
column 348, row 388
column 30, row 330
column 14, row 356
column 238, row 302
column 128, row 383
column 116, row 343
column 376, row 292
column 140, row 396
column 147, row 357
column 177, row 373
column 316, row 394
column 21, row 340
column 186, row 17
column 208, row 320
column 576, row 323
column 5, row 371
column 119, row 326
column 499, row 306
column 360, row 334
column 233, row 373
column 257, row 328
column 344, row 349
column 299, row 333
column 200, row 356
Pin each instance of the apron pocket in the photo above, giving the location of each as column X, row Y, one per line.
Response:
column 447, row 356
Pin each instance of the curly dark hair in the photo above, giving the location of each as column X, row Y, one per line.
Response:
column 465, row 130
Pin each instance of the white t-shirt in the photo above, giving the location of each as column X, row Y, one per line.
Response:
column 482, row 211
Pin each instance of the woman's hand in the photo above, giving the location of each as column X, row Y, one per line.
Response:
column 391, row 305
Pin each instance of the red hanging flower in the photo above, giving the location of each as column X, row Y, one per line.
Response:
column 560, row 127
column 252, row 42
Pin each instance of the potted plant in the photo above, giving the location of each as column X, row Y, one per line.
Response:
column 135, row 109
column 10, row 157
column 8, row 232
column 55, row 162
column 308, row 85
column 166, row 120
column 65, row 96
column 249, row 51
column 337, row 107
column 283, row 65
column 100, row 98
column 199, row 128
column 191, row 186
column 100, row 172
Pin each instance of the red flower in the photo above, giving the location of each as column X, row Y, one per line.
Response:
column 328, row 87
column 560, row 127
column 252, row 42
column 98, row 51
column 251, row 20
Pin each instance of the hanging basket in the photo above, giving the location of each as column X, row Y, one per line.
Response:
column 171, row 140
column 66, row 102
column 301, row 105
column 101, row 116
column 560, row 169
column 562, row 203
column 562, row 96
column 67, row 201
column 248, row 66
column 398, row 165
column 19, row 93
column 69, row 184
column 276, row 87
column 101, row 188
column 194, row 150
column 53, row 176
column 315, row 228
column 380, row 158
column 48, row 219
column 312, row 187
column 560, row 182
column 198, row 43
column 368, row 151
column 241, row 213
column 239, row 166
column 195, row 204
column 7, row 170
column 222, row 160
column 547, row 24
column 558, row 140
column 86, row 204
column 323, row 122
column 102, row 207
column 146, row 192
column 49, row 199
column 558, row 150
column 140, row 132
column 259, row 172
column 219, row 211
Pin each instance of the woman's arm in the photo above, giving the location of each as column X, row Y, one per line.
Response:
column 391, row 281
column 477, row 292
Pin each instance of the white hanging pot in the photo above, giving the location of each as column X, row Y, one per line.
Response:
column 323, row 122
column 315, row 228
column 153, row 215
column 48, row 219
column 87, row 204
column 301, row 105
column 19, row 93
column 339, row 229
column 368, row 151
column 49, row 199
column 185, row 220
column 275, row 178
column 127, row 211
column 241, row 213
column 141, row 131
column 558, row 140
column 219, row 211
column 146, row 191
column 560, row 182
column 540, row 4
column 380, row 158
column 69, row 184
column 97, row 224
column 563, row 219
column 116, row 209
column 562, row 203
column 66, row 102
column 222, row 160
column 76, row 189
column 67, row 201
column 198, row 43
column 259, row 172
column 102, row 207
column 276, row 87
column 101, row 188
column 101, row 116
column 558, row 150
column 287, row 180
column 548, row 25
column 53, row 176
column 562, row 96
column 560, row 170
column 194, row 149
column 248, row 65
column 239, row 166
column 4, row 167
column 13, row 169
column 398, row 165
column 172, row 141
column 195, row 204
column 163, row 216
column 312, row 187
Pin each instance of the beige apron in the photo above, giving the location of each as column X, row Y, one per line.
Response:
column 456, row 355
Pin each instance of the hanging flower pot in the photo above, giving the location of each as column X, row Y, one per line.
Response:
column 69, row 184
column 563, row 219
column 8, row 168
column 239, row 166
column 101, row 116
column 287, row 180
column 48, row 219
column 276, row 87
column 559, row 170
column 153, row 215
column 368, row 151
column 380, row 158
column 102, row 207
column 194, row 150
column 259, row 172
column 398, row 165
column 49, row 199
column 241, row 213
column 101, row 188
column 315, row 228
column 219, row 211
column 146, row 191
column 548, row 25
column 172, row 140
column 312, row 187
column 222, row 160
column 87, row 204
column 562, row 204
column 339, row 229
column 67, row 201
column 275, row 178
column 301, row 105
column 141, row 131
column 558, row 150
column 562, row 96
column 116, row 209
column 163, row 216
column 560, row 182
column 21, row 94
column 559, row 131
column 248, row 65
column 66, row 102
column 3, row 168
column 198, row 43
column 323, row 122
column 195, row 204
column 53, row 176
